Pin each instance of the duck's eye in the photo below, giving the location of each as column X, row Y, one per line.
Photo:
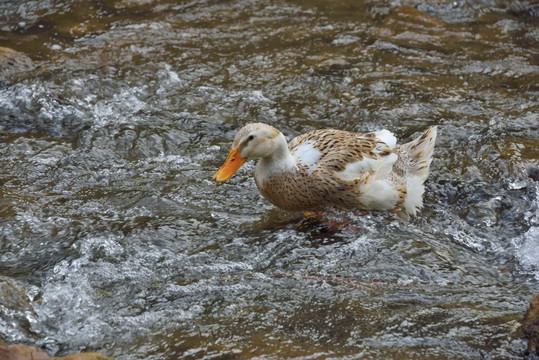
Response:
column 251, row 137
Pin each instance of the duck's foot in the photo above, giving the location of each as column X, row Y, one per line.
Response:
column 333, row 220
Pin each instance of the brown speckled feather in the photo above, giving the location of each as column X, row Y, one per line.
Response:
column 340, row 148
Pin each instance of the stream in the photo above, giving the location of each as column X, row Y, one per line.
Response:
column 114, row 237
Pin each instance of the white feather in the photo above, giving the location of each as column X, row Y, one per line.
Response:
column 308, row 155
column 382, row 166
column 387, row 137
column 280, row 160
column 379, row 195
column 414, row 197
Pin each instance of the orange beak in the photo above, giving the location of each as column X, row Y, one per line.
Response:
column 232, row 163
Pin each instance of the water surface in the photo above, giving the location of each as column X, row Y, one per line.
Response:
column 115, row 239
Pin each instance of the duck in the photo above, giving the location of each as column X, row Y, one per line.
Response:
column 328, row 168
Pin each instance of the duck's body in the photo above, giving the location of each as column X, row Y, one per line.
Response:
column 334, row 168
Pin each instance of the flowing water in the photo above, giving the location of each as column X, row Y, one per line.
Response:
column 114, row 238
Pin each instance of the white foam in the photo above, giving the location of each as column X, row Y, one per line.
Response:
column 527, row 250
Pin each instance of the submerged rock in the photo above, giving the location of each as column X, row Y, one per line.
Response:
column 84, row 356
column 533, row 171
column 13, row 62
column 530, row 326
column 24, row 352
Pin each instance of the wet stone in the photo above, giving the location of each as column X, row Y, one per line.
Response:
column 84, row 356
column 15, row 308
column 533, row 171
column 409, row 27
column 530, row 326
column 13, row 62
column 332, row 66
column 24, row 352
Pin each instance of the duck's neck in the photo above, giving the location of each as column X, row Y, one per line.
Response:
column 278, row 161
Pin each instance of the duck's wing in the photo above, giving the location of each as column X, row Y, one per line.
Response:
column 347, row 155
column 353, row 169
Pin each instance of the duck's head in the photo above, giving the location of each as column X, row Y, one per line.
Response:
column 253, row 141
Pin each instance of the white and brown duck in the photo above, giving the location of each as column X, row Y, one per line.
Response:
column 334, row 168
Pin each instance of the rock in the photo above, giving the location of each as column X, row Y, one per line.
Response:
column 84, row 356
column 13, row 62
column 23, row 352
column 530, row 326
column 414, row 17
column 332, row 66
column 14, row 299
column 533, row 171
column 410, row 28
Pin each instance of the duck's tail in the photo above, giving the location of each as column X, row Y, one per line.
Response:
column 419, row 154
